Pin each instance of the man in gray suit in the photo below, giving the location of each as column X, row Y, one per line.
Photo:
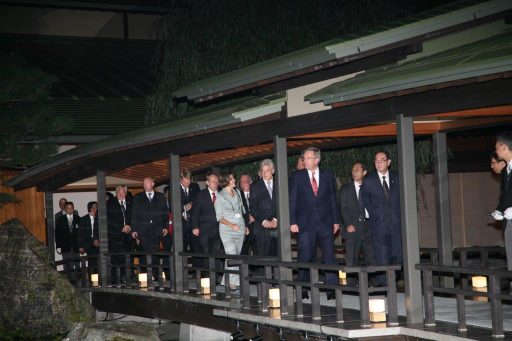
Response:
column 354, row 220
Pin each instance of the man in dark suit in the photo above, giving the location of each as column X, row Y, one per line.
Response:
column 314, row 214
column 88, row 235
column 204, row 219
column 150, row 217
column 504, row 209
column 66, row 241
column 354, row 226
column 119, row 211
column 381, row 198
column 263, row 208
column 244, row 185
column 62, row 206
column 189, row 191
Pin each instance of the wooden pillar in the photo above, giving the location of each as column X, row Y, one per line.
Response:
column 174, row 179
column 102, row 226
column 50, row 224
column 409, row 209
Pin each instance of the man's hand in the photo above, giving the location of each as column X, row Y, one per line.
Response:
column 335, row 228
column 195, row 232
column 266, row 224
column 165, row 232
column 96, row 243
column 251, row 219
column 58, row 251
column 135, row 235
column 508, row 213
column 497, row 215
column 246, row 231
column 81, row 250
column 294, row 228
column 273, row 223
column 126, row 229
column 351, row 229
column 188, row 206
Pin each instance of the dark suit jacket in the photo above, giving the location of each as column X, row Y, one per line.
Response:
column 382, row 211
column 65, row 239
column 262, row 206
column 246, row 206
column 308, row 210
column 149, row 218
column 84, row 234
column 193, row 189
column 505, row 200
column 117, row 240
column 203, row 214
column 351, row 212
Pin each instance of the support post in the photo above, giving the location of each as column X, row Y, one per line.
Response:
column 177, row 239
column 50, row 224
column 409, row 209
column 444, row 227
column 283, row 216
column 102, row 226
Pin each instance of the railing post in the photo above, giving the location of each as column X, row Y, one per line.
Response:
column 428, row 296
column 245, row 293
column 392, row 299
column 213, row 276
column 461, row 313
column 496, row 310
column 315, row 294
column 364, row 308
column 50, row 225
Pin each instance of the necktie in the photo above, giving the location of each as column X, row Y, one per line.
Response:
column 385, row 187
column 123, row 210
column 314, row 184
column 247, row 198
column 509, row 168
column 186, row 191
column 214, row 197
column 360, row 201
column 70, row 223
column 92, row 227
column 150, row 196
column 269, row 188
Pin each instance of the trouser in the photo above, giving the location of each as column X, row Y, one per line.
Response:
column 71, row 267
column 232, row 241
column 508, row 244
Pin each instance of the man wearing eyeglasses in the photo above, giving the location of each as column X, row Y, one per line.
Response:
column 381, row 198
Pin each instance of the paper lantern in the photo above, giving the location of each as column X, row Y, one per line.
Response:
column 205, row 286
column 143, row 280
column 377, row 307
column 274, row 298
column 94, row 280
column 479, row 281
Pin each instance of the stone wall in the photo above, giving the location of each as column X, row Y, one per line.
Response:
column 35, row 299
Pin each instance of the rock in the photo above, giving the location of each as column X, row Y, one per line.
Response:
column 36, row 300
column 120, row 331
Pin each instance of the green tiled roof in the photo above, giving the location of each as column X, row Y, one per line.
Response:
column 489, row 56
column 197, row 121
column 417, row 25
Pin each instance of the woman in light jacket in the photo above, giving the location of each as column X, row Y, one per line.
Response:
column 229, row 210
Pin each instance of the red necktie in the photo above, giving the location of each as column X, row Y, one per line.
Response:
column 213, row 197
column 314, row 184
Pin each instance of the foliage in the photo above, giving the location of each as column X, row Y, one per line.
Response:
column 340, row 161
column 202, row 39
column 27, row 121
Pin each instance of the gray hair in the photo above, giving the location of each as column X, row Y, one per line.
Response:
column 118, row 187
column 315, row 150
column 267, row 162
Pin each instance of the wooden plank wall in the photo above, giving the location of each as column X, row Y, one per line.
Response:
column 30, row 211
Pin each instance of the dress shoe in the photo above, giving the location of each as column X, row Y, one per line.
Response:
column 305, row 295
column 331, row 295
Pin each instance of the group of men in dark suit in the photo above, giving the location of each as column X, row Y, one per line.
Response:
column 75, row 235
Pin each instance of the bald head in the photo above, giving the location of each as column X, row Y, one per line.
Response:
column 149, row 184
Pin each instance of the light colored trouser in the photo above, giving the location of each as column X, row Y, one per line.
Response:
column 232, row 241
column 508, row 244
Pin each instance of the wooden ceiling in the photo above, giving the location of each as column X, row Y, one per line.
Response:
column 426, row 125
